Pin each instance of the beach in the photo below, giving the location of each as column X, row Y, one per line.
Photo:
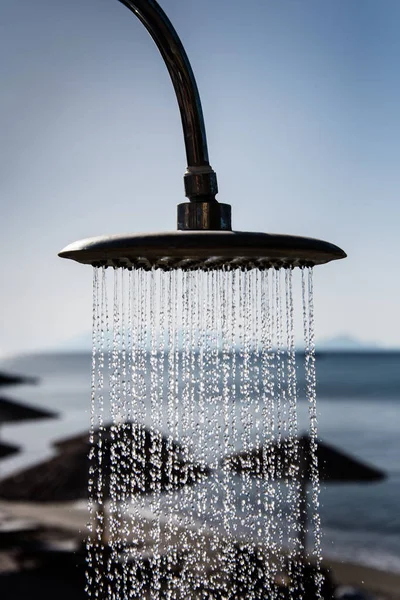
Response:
column 65, row 522
column 380, row 583
column 383, row 585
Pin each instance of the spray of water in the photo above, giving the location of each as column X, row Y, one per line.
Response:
column 198, row 484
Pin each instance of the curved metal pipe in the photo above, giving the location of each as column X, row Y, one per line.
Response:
column 200, row 179
column 150, row 13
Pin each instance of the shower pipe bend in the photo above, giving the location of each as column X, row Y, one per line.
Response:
column 200, row 179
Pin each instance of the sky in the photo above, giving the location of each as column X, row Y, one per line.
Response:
column 300, row 99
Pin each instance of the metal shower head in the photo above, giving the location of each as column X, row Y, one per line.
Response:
column 203, row 250
column 204, row 239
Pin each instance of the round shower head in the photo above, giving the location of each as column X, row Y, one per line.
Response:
column 205, row 250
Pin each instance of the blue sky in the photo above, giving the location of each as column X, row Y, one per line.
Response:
column 301, row 105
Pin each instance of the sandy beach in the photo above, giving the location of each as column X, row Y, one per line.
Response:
column 380, row 583
column 72, row 521
column 383, row 585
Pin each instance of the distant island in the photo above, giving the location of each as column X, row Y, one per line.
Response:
column 346, row 343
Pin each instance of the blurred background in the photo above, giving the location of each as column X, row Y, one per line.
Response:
column 301, row 107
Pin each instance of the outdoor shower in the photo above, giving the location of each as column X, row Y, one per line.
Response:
column 197, row 347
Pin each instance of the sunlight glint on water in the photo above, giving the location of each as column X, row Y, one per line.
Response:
column 195, row 487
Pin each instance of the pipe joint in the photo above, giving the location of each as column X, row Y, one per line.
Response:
column 200, row 184
column 211, row 216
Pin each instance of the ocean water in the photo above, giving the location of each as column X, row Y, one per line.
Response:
column 359, row 413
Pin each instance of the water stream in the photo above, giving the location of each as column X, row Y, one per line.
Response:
column 199, row 486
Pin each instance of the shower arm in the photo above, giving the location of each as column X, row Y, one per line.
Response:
column 203, row 211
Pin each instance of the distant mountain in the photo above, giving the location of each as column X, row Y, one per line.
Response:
column 80, row 343
column 345, row 342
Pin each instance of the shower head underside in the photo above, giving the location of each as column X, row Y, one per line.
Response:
column 203, row 250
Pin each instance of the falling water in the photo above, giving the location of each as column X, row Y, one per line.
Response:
column 199, row 476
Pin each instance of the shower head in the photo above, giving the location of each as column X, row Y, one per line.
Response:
column 203, row 250
column 204, row 239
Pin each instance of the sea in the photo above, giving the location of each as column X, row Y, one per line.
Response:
column 358, row 412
